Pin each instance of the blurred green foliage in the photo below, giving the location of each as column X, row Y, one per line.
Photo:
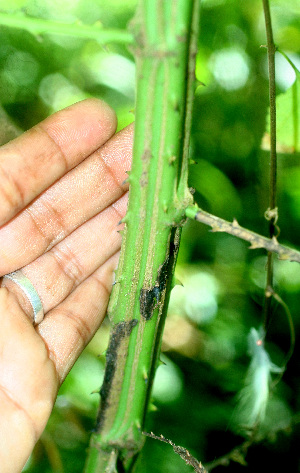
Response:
column 205, row 340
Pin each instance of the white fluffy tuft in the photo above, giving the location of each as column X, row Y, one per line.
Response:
column 253, row 398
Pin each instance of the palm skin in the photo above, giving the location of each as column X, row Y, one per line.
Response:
column 62, row 196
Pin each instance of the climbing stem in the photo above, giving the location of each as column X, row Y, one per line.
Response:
column 273, row 156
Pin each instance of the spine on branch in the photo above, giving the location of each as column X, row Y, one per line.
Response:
column 233, row 228
column 165, row 49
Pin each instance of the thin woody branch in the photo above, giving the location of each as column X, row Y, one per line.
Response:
column 236, row 455
column 233, row 228
column 181, row 451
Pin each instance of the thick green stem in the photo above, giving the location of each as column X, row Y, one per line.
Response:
column 166, row 35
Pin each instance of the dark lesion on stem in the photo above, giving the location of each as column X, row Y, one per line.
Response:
column 150, row 298
column 120, row 331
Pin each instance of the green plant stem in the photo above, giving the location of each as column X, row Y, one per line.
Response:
column 166, row 39
column 38, row 26
column 271, row 48
column 273, row 156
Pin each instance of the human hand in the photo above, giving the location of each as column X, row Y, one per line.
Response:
column 62, row 194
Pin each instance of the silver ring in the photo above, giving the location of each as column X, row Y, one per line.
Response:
column 30, row 292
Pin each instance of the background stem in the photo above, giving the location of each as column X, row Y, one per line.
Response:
column 273, row 157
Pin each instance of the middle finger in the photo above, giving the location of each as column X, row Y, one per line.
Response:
column 78, row 196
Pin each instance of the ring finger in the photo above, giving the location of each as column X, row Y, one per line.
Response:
column 58, row 272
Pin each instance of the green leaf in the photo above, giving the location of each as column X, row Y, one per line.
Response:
column 288, row 112
column 288, row 118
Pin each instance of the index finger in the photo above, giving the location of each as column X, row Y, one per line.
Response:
column 36, row 159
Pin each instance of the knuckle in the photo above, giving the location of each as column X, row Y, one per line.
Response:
column 47, row 223
column 68, row 264
column 11, row 191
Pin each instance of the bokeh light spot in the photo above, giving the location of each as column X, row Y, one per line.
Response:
column 230, row 68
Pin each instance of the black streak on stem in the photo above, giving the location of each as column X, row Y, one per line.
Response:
column 150, row 298
column 119, row 332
